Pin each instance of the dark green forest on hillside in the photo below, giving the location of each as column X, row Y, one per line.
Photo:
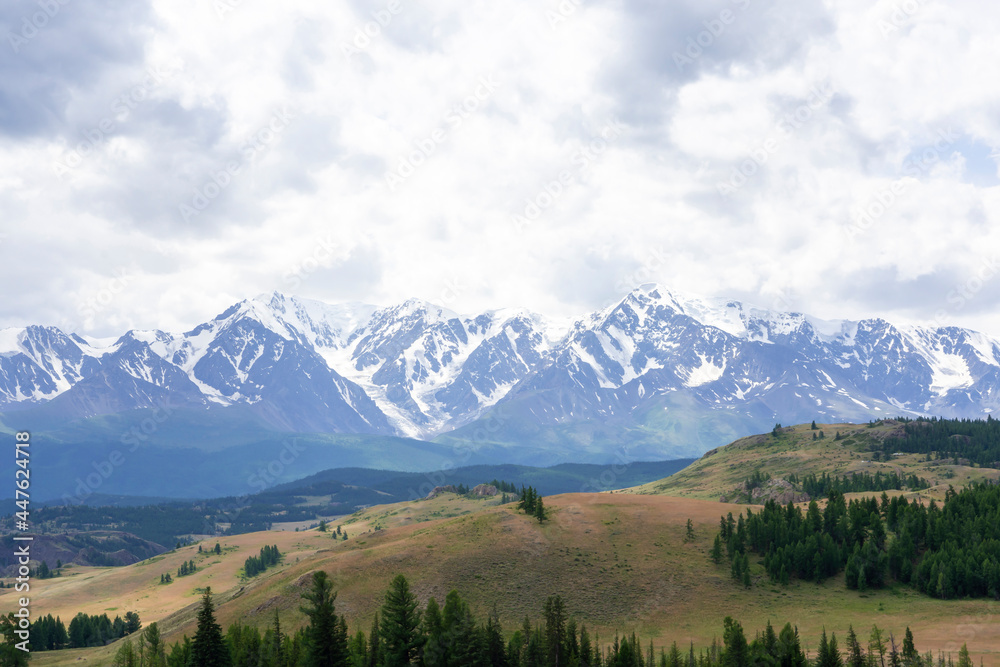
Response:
column 946, row 552
column 977, row 441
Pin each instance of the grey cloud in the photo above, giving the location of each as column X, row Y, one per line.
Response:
column 346, row 280
column 963, row 290
column 669, row 44
column 55, row 49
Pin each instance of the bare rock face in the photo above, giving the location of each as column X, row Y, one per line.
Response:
column 484, row 490
column 779, row 490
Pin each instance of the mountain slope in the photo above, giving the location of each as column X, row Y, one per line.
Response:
column 656, row 375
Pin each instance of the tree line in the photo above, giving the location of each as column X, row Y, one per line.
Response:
column 50, row 634
column 820, row 486
column 404, row 633
column 269, row 556
column 946, row 552
column 976, row 440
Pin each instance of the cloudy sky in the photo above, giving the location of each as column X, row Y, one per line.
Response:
column 161, row 160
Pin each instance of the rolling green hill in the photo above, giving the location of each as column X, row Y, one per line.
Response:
column 621, row 560
column 793, row 451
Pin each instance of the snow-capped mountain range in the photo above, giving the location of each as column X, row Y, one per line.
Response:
column 657, row 363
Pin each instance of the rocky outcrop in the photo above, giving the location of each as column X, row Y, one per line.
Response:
column 779, row 490
column 438, row 490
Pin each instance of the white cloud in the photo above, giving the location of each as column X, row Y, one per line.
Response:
column 495, row 111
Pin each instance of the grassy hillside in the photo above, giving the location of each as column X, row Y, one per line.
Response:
column 719, row 471
column 619, row 560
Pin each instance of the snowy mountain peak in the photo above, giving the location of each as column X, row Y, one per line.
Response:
column 419, row 369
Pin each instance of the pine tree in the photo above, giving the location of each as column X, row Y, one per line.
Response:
column 326, row 647
column 374, row 644
column 717, row 550
column 964, row 660
column 154, row 654
column 10, row 655
column 823, row 653
column 910, row 654
column 208, row 648
column 539, row 512
column 736, row 652
column 401, row 639
column 322, row 526
column 834, row 659
column 855, row 654
column 277, row 646
column 126, row 655
column 689, row 533
column 813, row 425
column 555, row 630
column 218, row 548
column 790, row 648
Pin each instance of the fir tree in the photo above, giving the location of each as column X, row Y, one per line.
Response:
column 208, row 648
column 717, row 550
column 277, row 645
column 910, row 655
column 736, row 652
column 374, row 644
column 539, row 512
column 855, row 654
column 326, row 646
column 400, row 635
